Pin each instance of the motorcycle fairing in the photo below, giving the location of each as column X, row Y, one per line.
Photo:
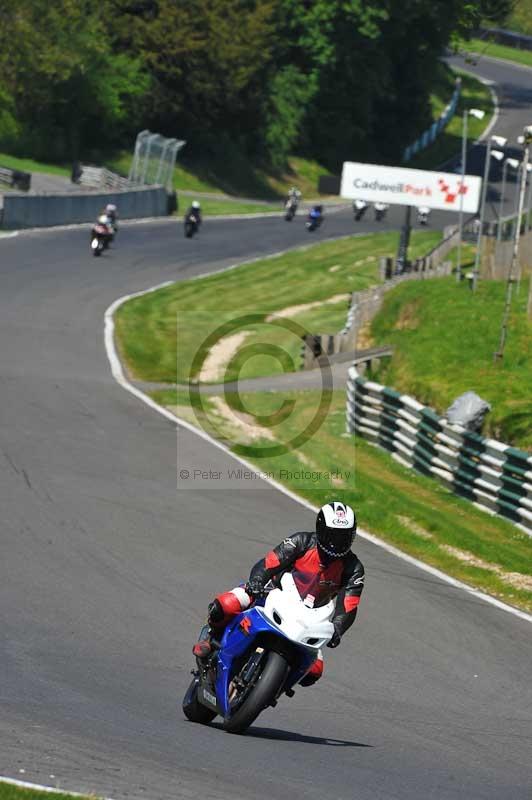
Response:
column 239, row 637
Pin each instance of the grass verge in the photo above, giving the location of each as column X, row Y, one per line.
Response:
column 160, row 333
column 415, row 513
column 212, row 208
column 9, row 791
column 28, row 165
column 445, row 324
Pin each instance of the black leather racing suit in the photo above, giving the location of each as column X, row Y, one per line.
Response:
column 342, row 578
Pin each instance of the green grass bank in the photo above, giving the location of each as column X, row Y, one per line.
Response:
column 160, row 333
column 445, row 337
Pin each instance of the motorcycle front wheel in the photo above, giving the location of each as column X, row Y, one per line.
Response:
column 265, row 690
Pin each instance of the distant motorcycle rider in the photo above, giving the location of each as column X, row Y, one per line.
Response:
column 104, row 221
column 112, row 213
column 291, row 204
column 324, row 554
column 359, row 209
column 380, row 211
column 294, row 195
column 194, row 213
column 423, row 214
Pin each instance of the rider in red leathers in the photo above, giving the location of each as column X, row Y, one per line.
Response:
column 322, row 558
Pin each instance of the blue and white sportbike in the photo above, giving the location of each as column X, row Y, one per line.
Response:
column 263, row 653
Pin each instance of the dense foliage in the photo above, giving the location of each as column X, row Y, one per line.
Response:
column 333, row 78
column 521, row 17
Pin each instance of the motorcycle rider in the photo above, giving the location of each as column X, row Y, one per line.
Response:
column 423, row 213
column 359, row 208
column 380, row 210
column 194, row 213
column 112, row 213
column 324, row 554
column 316, row 214
column 104, row 220
column 294, row 196
column 292, row 203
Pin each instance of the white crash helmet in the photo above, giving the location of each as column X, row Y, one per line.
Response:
column 336, row 527
column 195, row 204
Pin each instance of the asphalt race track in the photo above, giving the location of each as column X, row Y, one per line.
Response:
column 513, row 86
column 106, row 570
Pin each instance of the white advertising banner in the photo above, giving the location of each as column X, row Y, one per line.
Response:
column 409, row 187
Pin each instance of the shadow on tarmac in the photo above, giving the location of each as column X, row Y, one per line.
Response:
column 290, row 736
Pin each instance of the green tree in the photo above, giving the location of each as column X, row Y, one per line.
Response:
column 208, row 62
column 336, row 78
column 68, row 86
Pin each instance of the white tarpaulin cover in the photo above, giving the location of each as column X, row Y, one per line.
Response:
column 468, row 410
column 410, row 187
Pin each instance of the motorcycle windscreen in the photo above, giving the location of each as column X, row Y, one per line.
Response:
column 313, row 589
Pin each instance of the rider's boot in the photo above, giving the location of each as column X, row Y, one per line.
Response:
column 203, row 647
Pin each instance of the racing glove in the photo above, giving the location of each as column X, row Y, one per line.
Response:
column 255, row 588
column 335, row 640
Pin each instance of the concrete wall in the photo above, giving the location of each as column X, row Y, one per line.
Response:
column 44, row 210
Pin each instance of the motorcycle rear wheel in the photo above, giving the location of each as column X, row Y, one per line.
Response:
column 265, row 690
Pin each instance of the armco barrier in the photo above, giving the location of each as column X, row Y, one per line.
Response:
column 494, row 476
column 44, row 210
column 509, row 38
column 431, row 134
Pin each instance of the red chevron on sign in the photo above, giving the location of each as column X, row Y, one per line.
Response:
column 450, row 197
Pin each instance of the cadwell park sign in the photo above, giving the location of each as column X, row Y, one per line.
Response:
column 410, row 187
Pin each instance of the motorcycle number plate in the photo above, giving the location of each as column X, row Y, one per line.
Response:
column 208, row 696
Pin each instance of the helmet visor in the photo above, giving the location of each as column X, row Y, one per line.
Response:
column 336, row 543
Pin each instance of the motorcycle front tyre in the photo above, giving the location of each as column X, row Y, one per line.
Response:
column 193, row 709
column 268, row 685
